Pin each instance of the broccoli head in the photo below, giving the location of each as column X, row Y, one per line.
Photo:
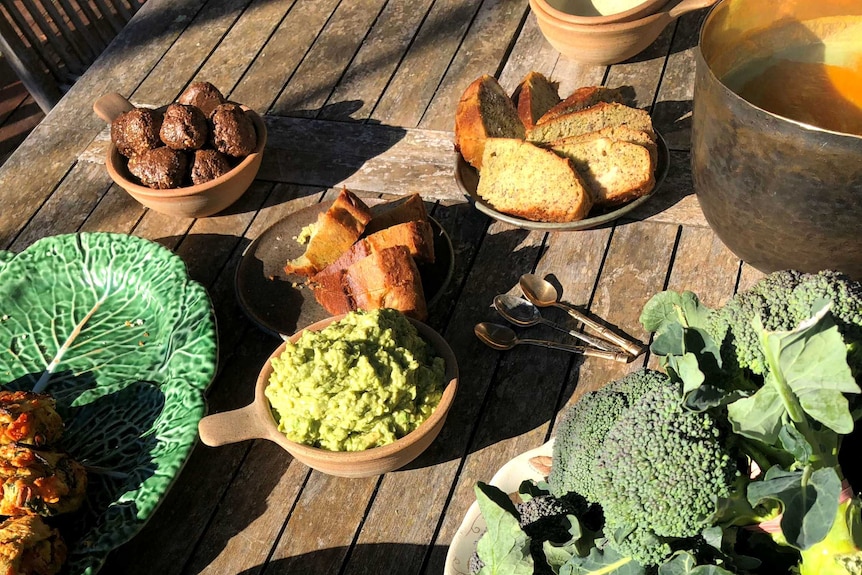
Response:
column 582, row 431
column 782, row 300
column 659, row 473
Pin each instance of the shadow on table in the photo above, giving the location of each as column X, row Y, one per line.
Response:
column 363, row 559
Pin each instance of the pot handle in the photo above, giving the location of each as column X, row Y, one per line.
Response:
column 109, row 106
column 689, row 6
column 233, row 426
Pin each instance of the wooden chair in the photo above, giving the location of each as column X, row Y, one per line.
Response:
column 50, row 43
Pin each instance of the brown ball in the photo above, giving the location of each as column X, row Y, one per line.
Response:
column 208, row 165
column 162, row 168
column 202, row 95
column 233, row 131
column 184, row 127
column 136, row 131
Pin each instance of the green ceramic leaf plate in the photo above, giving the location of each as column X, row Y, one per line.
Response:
column 113, row 328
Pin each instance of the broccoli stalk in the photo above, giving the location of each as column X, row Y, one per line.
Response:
column 839, row 553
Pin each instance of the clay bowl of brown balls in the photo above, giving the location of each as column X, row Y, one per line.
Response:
column 184, row 198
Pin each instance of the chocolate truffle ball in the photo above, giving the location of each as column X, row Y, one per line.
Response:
column 161, row 168
column 184, row 127
column 202, row 95
column 232, row 131
column 208, row 165
column 136, row 131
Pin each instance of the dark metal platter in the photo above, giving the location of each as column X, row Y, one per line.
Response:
column 280, row 304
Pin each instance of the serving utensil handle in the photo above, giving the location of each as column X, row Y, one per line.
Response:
column 635, row 349
column 110, row 106
column 580, row 349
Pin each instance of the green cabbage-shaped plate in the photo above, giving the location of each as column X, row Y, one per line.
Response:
column 112, row 327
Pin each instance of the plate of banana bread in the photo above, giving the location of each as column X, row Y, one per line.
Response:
column 539, row 161
column 341, row 255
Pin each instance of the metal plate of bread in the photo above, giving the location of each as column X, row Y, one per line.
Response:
column 467, row 178
column 280, row 303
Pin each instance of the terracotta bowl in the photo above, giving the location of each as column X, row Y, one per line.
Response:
column 255, row 421
column 608, row 43
column 591, row 12
column 196, row 201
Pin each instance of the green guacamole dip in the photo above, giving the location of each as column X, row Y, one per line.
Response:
column 361, row 382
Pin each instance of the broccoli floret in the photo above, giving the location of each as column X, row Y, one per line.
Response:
column 782, row 300
column 659, row 473
column 582, row 431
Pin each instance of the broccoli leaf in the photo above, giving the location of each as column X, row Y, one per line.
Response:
column 808, row 374
column 602, row 561
column 684, row 563
column 669, row 307
column 504, row 548
column 809, row 506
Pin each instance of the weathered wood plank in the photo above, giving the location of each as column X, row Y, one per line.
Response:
column 375, row 62
column 636, row 267
column 241, row 45
column 672, row 110
column 278, row 60
column 316, row 77
column 483, row 51
column 438, row 40
column 169, row 78
column 375, row 158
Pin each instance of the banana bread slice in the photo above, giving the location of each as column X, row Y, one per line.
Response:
column 623, row 133
column 581, row 99
column 534, row 96
column 484, row 111
column 602, row 115
column 614, row 170
column 526, row 181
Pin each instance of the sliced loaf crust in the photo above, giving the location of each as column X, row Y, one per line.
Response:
column 534, row 96
column 623, row 133
column 387, row 279
column 592, row 119
column 615, row 171
column 334, row 232
column 581, row 99
column 529, row 182
column 484, row 111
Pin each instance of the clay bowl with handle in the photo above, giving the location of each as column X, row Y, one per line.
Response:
column 256, row 421
column 612, row 42
column 193, row 201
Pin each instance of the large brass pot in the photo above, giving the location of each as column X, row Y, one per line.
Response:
column 779, row 193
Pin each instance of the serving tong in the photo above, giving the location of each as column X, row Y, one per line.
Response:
column 525, row 312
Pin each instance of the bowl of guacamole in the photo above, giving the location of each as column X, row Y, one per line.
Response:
column 355, row 395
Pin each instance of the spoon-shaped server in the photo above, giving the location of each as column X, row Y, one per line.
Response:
column 543, row 293
column 503, row 338
column 518, row 311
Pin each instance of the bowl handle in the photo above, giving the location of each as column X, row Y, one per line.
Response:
column 233, row 426
column 109, row 106
column 689, row 6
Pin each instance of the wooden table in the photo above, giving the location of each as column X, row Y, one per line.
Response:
column 363, row 94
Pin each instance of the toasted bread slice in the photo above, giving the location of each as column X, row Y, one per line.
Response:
column 534, row 96
column 335, row 231
column 484, row 111
column 526, row 181
column 581, row 99
column 407, row 209
column 592, row 119
column 615, row 171
column 387, row 278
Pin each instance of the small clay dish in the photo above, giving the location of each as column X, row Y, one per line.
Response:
column 194, row 201
column 591, row 12
column 256, row 421
column 610, row 42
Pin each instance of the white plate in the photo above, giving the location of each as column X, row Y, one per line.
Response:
column 508, row 478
